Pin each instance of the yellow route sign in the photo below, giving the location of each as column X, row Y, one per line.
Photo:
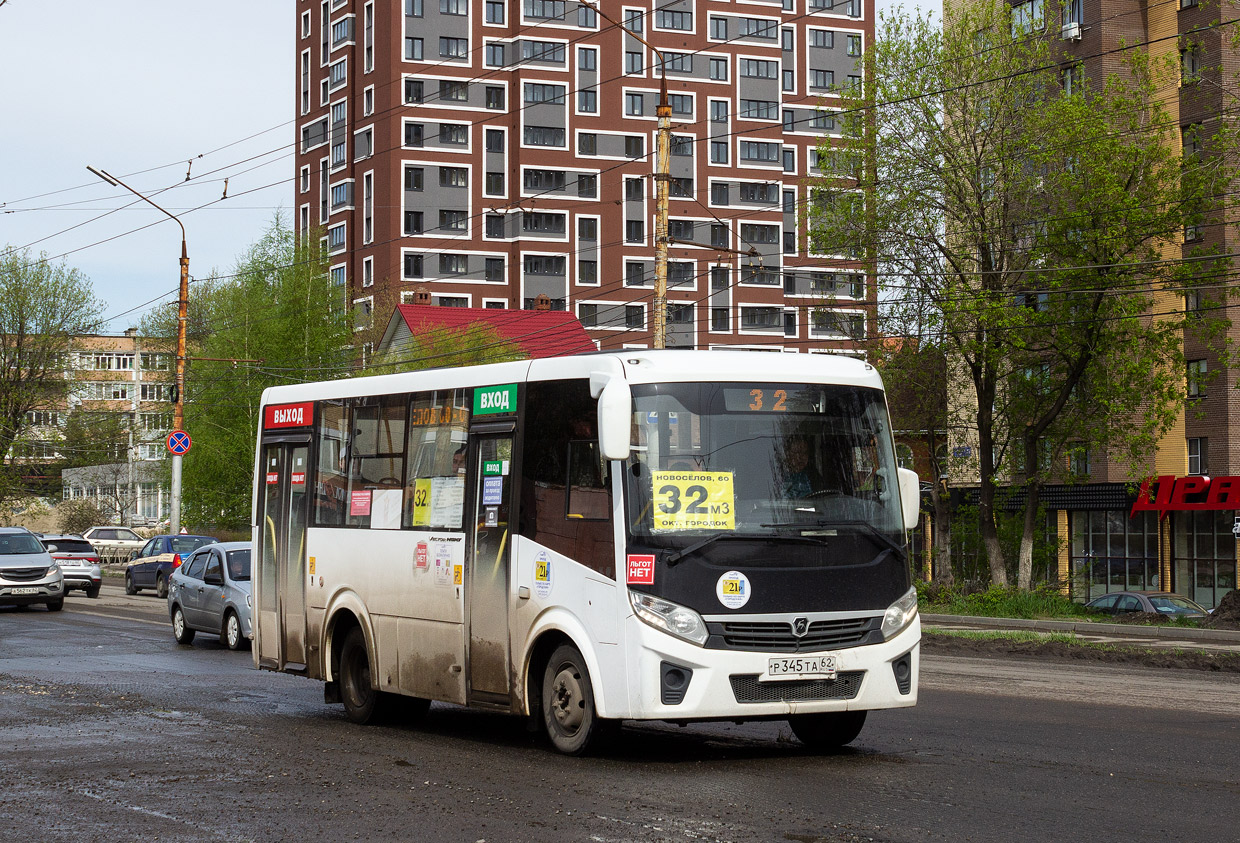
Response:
column 693, row 500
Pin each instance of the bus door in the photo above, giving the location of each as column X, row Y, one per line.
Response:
column 487, row 578
column 282, row 556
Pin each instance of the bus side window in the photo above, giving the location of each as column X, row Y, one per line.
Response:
column 330, row 485
column 435, row 484
column 589, row 482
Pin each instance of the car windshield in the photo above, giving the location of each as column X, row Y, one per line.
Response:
column 239, row 565
column 1169, row 605
column 187, row 544
column 761, row 459
column 19, row 544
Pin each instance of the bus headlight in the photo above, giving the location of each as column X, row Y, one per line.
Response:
column 900, row 614
column 669, row 617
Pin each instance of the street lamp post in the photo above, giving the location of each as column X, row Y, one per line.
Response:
column 178, row 412
column 662, row 179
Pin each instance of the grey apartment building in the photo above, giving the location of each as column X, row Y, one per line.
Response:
column 499, row 154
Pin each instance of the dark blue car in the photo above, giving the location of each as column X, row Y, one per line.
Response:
column 151, row 566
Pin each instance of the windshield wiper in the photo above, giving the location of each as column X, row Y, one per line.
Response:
column 869, row 528
column 698, row 545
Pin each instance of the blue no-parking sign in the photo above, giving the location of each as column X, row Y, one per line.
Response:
column 179, row 442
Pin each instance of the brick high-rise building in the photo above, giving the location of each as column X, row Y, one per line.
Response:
column 497, row 151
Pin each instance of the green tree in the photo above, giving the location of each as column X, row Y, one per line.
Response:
column 1038, row 226
column 278, row 308
column 42, row 306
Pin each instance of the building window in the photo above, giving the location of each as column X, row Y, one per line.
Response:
column 677, row 62
column 759, row 69
column 755, row 28
column 681, row 187
column 413, row 266
column 453, row 221
column 494, row 55
column 1197, row 453
column 718, row 152
column 454, row 48
column 719, row 69
column 1196, row 379
column 790, row 80
column 587, row 228
column 544, row 136
column 587, row 272
column 634, row 147
column 854, row 41
column 548, row 51
column 587, row 185
column 821, row 79
column 634, row 316
column 634, row 20
column 634, row 231
column 719, row 29
column 587, row 143
column 634, row 274
column 413, row 134
column 413, row 223
column 545, row 9
column 494, row 226
column 680, row 229
column 494, row 140
column 587, row 18
column 494, row 12
column 633, row 190
column 759, row 151
column 454, row 7
column 587, row 59
column 453, row 177
column 543, row 223
column 544, row 264
column 634, row 104
column 681, row 104
column 495, row 97
column 587, row 314
column 758, row 109
column 540, row 93
column 494, row 184
column 413, row 49
column 413, row 91
column 587, row 101
column 456, row 134
column 822, row 38
column 668, row 19
column 1078, row 459
column 495, row 269
column 719, row 321
column 790, row 323
column 719, row 193
column 788, row 38
column 719, row 237
column 414, row 178
column 450, row 264
column 632, row 62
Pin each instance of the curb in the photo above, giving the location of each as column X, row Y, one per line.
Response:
column 1091, row 628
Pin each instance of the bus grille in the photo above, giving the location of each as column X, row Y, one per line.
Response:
column 844, row 686
column 777, row 637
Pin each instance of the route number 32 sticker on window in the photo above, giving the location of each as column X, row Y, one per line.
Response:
column 693, row 500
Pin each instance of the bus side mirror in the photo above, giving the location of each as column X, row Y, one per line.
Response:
column 615, row 419
column 910, row 497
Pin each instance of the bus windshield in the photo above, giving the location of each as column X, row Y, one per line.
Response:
column 761, row 460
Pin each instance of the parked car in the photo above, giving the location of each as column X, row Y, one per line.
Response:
column 151, row 566
column 210, row 592
column 79, row 563
column 28, row 574
column 1160, row 602
column 114, row 544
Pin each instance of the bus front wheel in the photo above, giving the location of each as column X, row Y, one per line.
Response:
column 360, row 699
column 569, row 716
column 829, row 730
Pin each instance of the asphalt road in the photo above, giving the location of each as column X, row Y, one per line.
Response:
column 110, row 731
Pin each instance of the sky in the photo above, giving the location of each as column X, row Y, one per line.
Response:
column 139, row 88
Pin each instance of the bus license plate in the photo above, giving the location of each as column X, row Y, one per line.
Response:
column 802, row 667
column 23, row 591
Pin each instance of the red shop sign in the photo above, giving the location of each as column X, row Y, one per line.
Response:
column 288, row 415
column 1220, row 493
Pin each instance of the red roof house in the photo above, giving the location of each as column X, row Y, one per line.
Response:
column 539, row 333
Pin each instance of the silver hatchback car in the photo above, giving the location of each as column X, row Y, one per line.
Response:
column 210, row 592
column 28, row 574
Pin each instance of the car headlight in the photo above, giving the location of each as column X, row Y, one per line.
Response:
column 900, row 614
column 54, row 569
column 669, row 617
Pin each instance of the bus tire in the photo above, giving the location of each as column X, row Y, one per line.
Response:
column 829, row 730
column 569, row 716
column 361, row 701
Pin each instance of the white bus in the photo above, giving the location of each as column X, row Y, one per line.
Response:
column 643, row 535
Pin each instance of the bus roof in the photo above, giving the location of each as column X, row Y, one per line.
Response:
column 634, row 365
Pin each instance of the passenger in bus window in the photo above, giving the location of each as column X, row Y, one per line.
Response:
column 458, row 461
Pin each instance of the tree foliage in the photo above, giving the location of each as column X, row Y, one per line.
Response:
column 42, row 306
column 270, row 322
column 1033, row 232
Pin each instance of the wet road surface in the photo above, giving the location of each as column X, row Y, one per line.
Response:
column 113, row 732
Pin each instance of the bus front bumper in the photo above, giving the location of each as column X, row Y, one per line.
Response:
column 731, row 684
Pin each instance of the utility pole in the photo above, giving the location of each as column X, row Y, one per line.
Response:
column 178, row 413
column 662, row 179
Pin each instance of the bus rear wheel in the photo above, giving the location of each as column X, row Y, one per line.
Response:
column 568, row 711
column 829, row 730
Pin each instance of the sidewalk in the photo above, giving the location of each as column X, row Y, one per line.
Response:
column 1145, row 636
